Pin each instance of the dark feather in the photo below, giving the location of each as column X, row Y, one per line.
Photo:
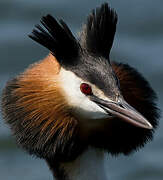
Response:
column 123, row 137
column 98, row 34
column 58, row 39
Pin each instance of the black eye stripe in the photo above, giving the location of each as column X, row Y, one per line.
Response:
column 117, row 80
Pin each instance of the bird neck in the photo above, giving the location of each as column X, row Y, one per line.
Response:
column 90, row 165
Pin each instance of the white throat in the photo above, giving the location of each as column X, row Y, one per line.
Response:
column 89, row 166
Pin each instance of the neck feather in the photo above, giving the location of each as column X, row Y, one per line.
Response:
column 90, row 165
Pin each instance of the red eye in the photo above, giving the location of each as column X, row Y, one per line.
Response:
column 86, row 89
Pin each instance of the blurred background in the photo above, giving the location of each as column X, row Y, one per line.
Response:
column 139, row 42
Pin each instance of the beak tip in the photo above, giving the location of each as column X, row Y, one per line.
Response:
column 147, row 125
column 150, row 126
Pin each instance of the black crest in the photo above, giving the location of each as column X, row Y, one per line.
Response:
column 98, row 34
column 57, row 38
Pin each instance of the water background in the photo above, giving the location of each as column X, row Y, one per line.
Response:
column 139, row 42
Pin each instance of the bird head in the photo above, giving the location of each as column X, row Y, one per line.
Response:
column 77, row 97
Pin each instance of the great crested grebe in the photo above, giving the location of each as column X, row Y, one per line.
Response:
column 76, row 105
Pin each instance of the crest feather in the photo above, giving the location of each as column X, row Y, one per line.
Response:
column 56, row 37
column 98, row 34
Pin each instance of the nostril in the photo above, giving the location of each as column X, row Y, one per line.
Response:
column 121, row 105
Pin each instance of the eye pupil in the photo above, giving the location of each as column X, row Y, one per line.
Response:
column 86, row 89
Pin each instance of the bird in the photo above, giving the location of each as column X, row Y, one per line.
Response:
column 76, row 106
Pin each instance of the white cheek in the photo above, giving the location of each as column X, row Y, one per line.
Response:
column 89, row 110
column 81, row 104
